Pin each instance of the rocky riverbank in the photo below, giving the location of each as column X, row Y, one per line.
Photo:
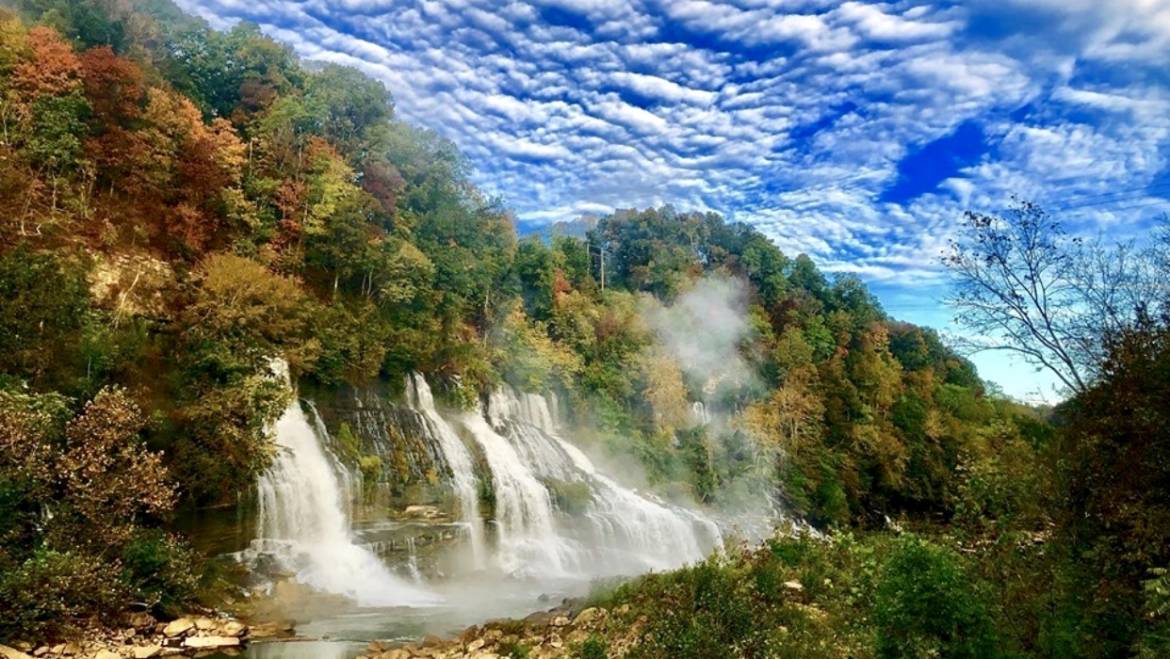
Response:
column 141, row 636
column 561, row 632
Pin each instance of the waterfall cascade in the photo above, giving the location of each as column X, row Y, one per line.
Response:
column 599, row 528
column 463, row 479
column 303, row 522
column 618, row 530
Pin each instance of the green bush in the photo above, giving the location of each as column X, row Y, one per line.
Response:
column 50, row 594
column 927, row 607
column 160, row 570
column 594, row 647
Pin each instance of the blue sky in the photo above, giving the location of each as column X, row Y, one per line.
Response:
column 855, row 132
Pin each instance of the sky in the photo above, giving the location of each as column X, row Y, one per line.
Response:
column 857, row 132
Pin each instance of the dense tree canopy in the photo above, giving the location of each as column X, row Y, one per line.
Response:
column 181, row 206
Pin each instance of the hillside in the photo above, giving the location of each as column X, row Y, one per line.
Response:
column 182, row 208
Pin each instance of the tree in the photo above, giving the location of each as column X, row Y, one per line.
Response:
column 1027, row 286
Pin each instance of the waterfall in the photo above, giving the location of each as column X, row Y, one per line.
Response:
column 458, row 459
column 303, row 522
column 527, row 537
column 619, row 530
column 556, row 513
column 699, row 414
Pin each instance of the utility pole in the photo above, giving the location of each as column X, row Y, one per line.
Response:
column 602, row 268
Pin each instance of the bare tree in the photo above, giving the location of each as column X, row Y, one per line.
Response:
column 1024, row 285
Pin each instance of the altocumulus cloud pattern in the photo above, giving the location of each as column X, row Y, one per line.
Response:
column 855, row 132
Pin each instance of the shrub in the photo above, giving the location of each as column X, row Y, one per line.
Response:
column 593, row 648
column 160, row 570
column 926, row 606
column 51, row 593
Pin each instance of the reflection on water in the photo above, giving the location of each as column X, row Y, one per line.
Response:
column 342, row 630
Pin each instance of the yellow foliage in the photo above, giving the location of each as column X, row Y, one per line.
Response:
column 665, row 391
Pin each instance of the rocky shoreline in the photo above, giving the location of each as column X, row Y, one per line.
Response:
column 143, row 637
column 560, row 632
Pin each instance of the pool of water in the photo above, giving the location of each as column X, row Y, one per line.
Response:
column 333, row 628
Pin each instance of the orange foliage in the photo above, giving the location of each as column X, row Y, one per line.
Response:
column 53, row 69
column 114, row 85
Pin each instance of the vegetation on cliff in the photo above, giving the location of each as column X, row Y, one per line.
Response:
column 178, row 206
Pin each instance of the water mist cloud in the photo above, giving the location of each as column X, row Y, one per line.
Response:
column 704, row 329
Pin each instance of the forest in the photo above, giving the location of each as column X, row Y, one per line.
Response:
column 180, row 206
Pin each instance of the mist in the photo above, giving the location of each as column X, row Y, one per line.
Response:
column 704, row 330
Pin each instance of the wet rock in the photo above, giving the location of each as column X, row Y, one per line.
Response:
column 423, row 512
column 178, row 627
column 271, row 630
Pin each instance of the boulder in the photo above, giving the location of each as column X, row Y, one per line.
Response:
column 147, row 651
column 560, row 621
column 178, row 627
column 475, row 645
column 592, row 614
column 233, row 628
column 12, row 653
column 107, row 654
column 141, row 620
column 204, row 624
column 423, row 511
column 205, row 642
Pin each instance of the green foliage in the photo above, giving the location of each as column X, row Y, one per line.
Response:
column 160, row 570
column 43, row 301
column 52, row 593
column 57, row 131
column 593, row 647
column 926, row 606
column 1155, row 641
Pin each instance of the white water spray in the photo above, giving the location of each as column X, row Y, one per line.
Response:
column 458, row 458
column 527, row 539
column 620, row 531
column 303, row 523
